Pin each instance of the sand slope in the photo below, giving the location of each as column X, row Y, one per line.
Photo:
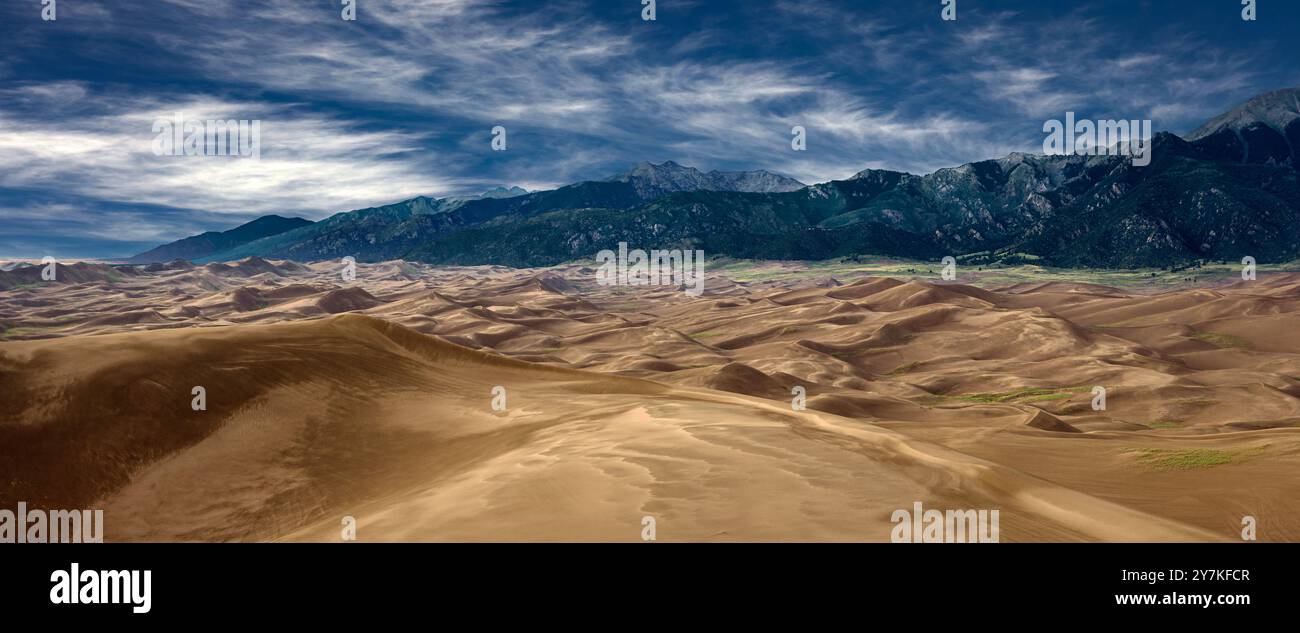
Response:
column 632, row 402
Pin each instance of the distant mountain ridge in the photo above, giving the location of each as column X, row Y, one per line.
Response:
column 205, row 244
column 1263, row 130
column 206, row 247
column 652, row 181
column 393, row 231
column 504, row 192
column 1230, row 189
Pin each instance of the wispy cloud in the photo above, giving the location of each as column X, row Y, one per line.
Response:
column 402, row 101
column 309, row 162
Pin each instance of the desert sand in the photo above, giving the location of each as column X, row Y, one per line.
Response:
column 372, row 398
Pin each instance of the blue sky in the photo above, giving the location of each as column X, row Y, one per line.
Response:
column 401, row 102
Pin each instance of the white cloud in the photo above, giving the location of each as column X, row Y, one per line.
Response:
column 577, row 94
column 311, row 164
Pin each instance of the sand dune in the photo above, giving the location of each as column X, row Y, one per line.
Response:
column 373, row 399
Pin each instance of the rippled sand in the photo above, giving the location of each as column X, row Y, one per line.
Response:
column 373, row 399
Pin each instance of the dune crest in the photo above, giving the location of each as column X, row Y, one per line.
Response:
column 374, row 398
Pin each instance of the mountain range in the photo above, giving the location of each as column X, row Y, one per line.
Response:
column 206, row 244
column 1226, row 190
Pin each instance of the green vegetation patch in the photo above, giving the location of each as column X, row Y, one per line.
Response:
column 1218, row 339
column 1182, row 459
column 1165, row 424
column 7, row 333
column 1033, row 394
column 902, row 369
column 1015, row 268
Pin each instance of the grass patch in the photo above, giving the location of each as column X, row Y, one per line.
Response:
column 1020, row 396
column 1165, row 424
column 902, row 369
column 1141, row 321
column 1019, row 267
column 1006, row 396
column 1182, row 459
column 1034, row 394
column 7, row 333
column 1218, row 339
